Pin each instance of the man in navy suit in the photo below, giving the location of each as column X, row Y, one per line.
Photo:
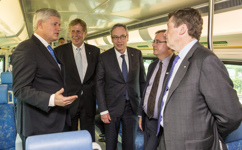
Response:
column 148, row 112
column 120, row 82
column 80, row 76
column 38, row 80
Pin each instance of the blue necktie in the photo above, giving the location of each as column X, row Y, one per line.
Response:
column 125, row 73
column 52, row 53
column 166, row 89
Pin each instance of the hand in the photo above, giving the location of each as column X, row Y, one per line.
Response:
column 61, row 100
column 140, row 123
column 106, row 118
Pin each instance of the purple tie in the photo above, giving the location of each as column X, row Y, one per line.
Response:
column 166, row 89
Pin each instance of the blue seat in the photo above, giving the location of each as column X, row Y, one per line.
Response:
column 234, row 139
column 7, row 78
column 74, row 140
column 7, row 121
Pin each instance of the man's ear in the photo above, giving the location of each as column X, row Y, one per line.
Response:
column 40, row 24
column 183, row 29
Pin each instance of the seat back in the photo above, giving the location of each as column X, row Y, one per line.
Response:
column 7, row 78
column 234, row 139
column 7, row 120
column 60, row 141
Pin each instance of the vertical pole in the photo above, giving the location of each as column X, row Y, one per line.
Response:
column 210, row 24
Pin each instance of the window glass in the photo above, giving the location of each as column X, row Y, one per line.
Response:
column 235, row 73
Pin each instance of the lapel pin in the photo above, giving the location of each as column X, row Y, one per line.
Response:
column 185, row 66
column 132, row 55
column 89, row 52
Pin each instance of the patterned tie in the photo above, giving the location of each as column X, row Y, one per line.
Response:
column 79, row 63
column 166, row 89
column 153, row 93
column 125, row 73
column 52, row 53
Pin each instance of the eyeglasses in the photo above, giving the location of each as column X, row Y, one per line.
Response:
column 158, row 42
column 122, row 37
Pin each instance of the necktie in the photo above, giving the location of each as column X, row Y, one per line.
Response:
column 52, row 53
column 79, row 63
column 125, row 73
column 153, row 93
column 166, row 89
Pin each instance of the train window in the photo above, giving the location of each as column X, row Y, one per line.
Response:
column 235, row 73
column 147, row 62
column 2, row 64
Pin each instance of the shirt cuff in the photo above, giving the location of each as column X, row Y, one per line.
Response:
column 52, row 100
column 104, row 112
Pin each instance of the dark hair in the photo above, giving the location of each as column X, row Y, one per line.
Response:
column 160, row 31
column 78, row 21
column 191, row 17
column 119, row 25
column 61, row 38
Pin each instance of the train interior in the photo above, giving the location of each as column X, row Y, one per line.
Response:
column 143, row 18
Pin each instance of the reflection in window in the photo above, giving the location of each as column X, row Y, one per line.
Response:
column 235, row 73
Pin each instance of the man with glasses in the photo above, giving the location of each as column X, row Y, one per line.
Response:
column 157, row 74
column 120, row 82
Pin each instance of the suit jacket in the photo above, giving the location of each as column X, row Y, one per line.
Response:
column 202, row 107
column 36, row 76
column 111, row 87
column 73, row 85
column 149, row 75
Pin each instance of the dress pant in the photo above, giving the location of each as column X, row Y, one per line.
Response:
column 151, row 141
column 129, row 129
column 162, row 145
column 86, row 123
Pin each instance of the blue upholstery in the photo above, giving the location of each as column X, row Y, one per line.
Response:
column 7, row 121
column 7, row 78
column 74, row 140
column 234, row 139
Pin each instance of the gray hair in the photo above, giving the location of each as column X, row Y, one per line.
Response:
column 119, row 25
column 43, row 14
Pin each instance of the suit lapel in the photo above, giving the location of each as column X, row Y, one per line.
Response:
column 113, row 58
column 89, row 63
column 181, row 71
column 47, row 54
column 131, row 63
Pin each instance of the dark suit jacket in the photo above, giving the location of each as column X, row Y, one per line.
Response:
column 202, row 107
column 149, row 74
column 111, row 87
column 36, row 76
column 73, row 85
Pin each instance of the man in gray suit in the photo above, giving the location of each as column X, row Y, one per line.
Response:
column 200, row 106
column 38, row 80
column 120, row 82
column 156, row 77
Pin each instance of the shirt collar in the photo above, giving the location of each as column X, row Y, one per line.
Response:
column 81, row 47
column 186, row 49
column 42, row 40
column 118, row 54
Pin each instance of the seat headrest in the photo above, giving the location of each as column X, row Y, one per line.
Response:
column 3, row 94
column 60, row 141
column 6, row 77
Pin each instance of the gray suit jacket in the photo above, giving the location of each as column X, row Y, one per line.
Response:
column 202, row 107
column 111, row 87
column 36, row 76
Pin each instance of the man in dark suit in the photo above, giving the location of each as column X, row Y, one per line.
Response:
column 120, row 82
column 200, row 106
column 38, row 80
column 80, row 76
column 157, row 74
